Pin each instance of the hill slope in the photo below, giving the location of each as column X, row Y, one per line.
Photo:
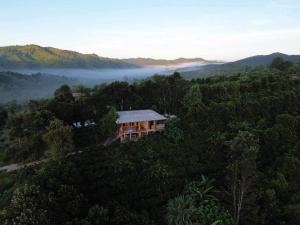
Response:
column 267, row 59
column 34, row 56
column 15, row 86
column 164, row 62
column 240, row 66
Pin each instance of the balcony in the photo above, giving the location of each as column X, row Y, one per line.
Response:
column 128, row 130
column 160, row 126
column 133, row 129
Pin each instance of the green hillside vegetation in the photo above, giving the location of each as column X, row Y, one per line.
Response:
column 231, row 157
column 267, row 59
column 243, row 66
column 227, row 69
column 15, row 86
column 164, row 62
column 34, row 56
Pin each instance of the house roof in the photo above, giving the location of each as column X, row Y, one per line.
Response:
column 138, row 116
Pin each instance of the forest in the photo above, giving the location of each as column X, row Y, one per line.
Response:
column 230, row 157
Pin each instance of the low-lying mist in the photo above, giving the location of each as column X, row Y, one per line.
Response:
column 42, row 83
column 107, row 75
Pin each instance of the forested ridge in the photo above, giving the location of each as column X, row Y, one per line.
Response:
column 34, row 56
column 231, row 156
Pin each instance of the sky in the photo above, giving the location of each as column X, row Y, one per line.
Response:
column 212, row 29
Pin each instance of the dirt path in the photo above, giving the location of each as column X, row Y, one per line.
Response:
column 16, row 166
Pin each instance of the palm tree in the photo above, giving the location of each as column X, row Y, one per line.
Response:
column 180, row 211
column 201, row 191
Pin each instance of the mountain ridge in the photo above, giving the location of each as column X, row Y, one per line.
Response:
column 35, row 56
column 266, row 59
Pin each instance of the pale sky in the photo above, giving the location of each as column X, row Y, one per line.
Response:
column 212, row 29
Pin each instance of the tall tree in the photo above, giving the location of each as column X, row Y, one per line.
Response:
column 63, row 94
column 109, row 122
column 194, row 106
column 59, row 138
column 242, row 170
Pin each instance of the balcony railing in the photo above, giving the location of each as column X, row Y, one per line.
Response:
column 130, row 129
column 134, row 129
column 160, row 126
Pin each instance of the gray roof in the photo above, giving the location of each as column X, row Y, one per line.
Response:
column 138, row 116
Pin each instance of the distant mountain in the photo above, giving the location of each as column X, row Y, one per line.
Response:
column 267, row 59
column 165, row 62
column 34, row 56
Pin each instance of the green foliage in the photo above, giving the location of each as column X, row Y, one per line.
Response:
column 63, row 94
column 20, row 87
column 181, row 211
column 109, row 122
column 3, row 117
column 34, row 56
column 174, row 131
column 242, row 170
column 27, row 207
column 219, row 123
column 280, row 64
column 197, row 207
column 59, row 139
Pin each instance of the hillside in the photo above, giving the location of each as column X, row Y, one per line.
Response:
column 217, row 70
column 267, row 59
column 15, row 86
column 164, row 62
column 231, row 133
column 34, row 56
column 239, row 66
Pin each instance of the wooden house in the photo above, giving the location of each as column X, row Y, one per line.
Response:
column 134, row 124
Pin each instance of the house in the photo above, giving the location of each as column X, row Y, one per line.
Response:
column 134, row 124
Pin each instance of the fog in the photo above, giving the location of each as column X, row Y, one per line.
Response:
column 89, row 76
column 42, row 86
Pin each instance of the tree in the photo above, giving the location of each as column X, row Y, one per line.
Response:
column 195, row 108
column 63, row 94
column 280, row 64
column 241, row 170
column 97, row 215
column 109, row 122
column 18, row 128
column 27, row 207
column 173, row 130
column 193, row 97
column 201, row 191
column 198, row 206
column 181, row 210
column 3, row 116
column 59, row 138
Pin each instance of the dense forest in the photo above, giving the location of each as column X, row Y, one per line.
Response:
column 231, row 156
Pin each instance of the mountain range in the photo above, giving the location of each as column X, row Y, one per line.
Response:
column 266, row 59
column 34, row 56
column 239, row 66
